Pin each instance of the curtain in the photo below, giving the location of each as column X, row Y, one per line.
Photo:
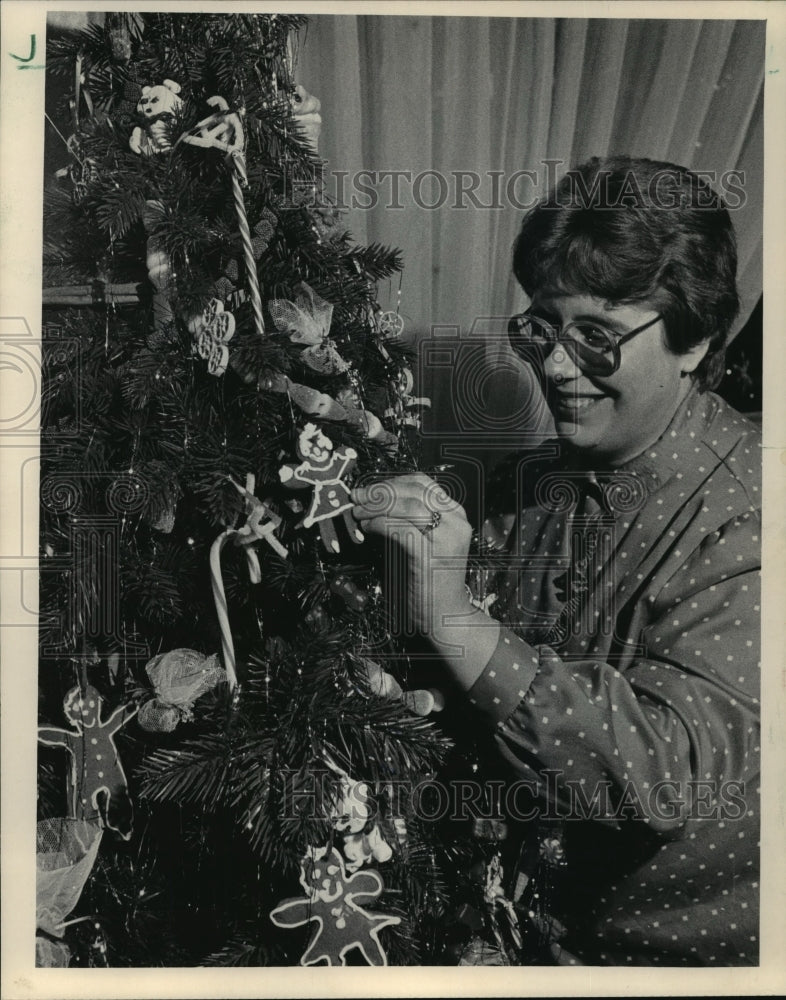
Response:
column 455, row 97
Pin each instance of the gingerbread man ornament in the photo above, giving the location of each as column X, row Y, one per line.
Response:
column 331, row 903
column 323, row 468
column 97, row 786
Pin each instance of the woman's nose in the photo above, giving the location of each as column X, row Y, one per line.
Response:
column 559, row 366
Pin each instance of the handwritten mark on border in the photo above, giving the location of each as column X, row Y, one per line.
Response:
column 26, row 61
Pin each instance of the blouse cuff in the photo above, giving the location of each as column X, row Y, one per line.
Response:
column 498, row 691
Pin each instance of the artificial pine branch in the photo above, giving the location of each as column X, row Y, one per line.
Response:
column 131, row 410
column 195, row 773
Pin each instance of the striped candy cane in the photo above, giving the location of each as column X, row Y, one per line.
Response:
column 219, row 597
column 260, row 524
column 238, row 179
column 224, row 130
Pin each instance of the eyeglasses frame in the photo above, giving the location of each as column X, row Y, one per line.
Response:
column 562, row 332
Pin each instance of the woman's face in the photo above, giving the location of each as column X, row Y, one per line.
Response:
column 618, row 416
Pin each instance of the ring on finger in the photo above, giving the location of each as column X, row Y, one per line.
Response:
column 436, row 517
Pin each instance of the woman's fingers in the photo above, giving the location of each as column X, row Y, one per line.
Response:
column 399, row 530
column 414, row 498
column 418, row 515
column 430, row 531
column 405, row 509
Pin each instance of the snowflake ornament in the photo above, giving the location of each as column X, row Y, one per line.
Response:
column 390, row 324
column 213, row 330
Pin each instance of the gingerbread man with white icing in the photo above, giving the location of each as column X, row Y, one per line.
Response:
column 97, row 786
column 324, row 469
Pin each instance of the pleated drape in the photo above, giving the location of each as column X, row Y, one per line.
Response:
column 472, row 94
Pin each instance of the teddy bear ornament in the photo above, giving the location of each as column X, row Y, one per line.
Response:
column 158, row 106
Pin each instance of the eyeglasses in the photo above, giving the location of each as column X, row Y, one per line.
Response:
column 593, row 348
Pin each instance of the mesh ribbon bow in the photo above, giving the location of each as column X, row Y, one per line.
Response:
column 306, row 321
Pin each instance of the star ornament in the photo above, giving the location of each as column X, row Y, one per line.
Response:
column 331, row 902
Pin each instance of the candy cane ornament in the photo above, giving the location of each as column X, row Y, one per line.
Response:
column 260, row 524
column 224, row 130
column 220, row 600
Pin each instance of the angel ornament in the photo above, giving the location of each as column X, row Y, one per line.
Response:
column 324, row 469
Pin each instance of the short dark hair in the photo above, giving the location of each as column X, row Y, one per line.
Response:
column 626, row 230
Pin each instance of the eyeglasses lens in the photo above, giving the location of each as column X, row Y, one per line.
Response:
column 528, row 340
column 589, row 346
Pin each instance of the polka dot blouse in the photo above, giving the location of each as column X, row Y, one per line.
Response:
column 629, row 668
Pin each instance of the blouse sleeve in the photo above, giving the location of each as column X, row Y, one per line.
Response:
column 675, row 726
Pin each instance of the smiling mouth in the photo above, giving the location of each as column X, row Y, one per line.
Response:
column 575, row 401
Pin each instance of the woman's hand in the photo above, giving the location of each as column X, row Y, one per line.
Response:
column 432, row 532
column 429, row 537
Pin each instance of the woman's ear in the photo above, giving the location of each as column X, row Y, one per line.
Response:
column 693, row 357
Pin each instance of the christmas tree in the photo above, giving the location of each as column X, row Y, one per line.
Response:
column 225, row 712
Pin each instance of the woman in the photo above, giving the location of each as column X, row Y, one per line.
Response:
column 619, row 671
